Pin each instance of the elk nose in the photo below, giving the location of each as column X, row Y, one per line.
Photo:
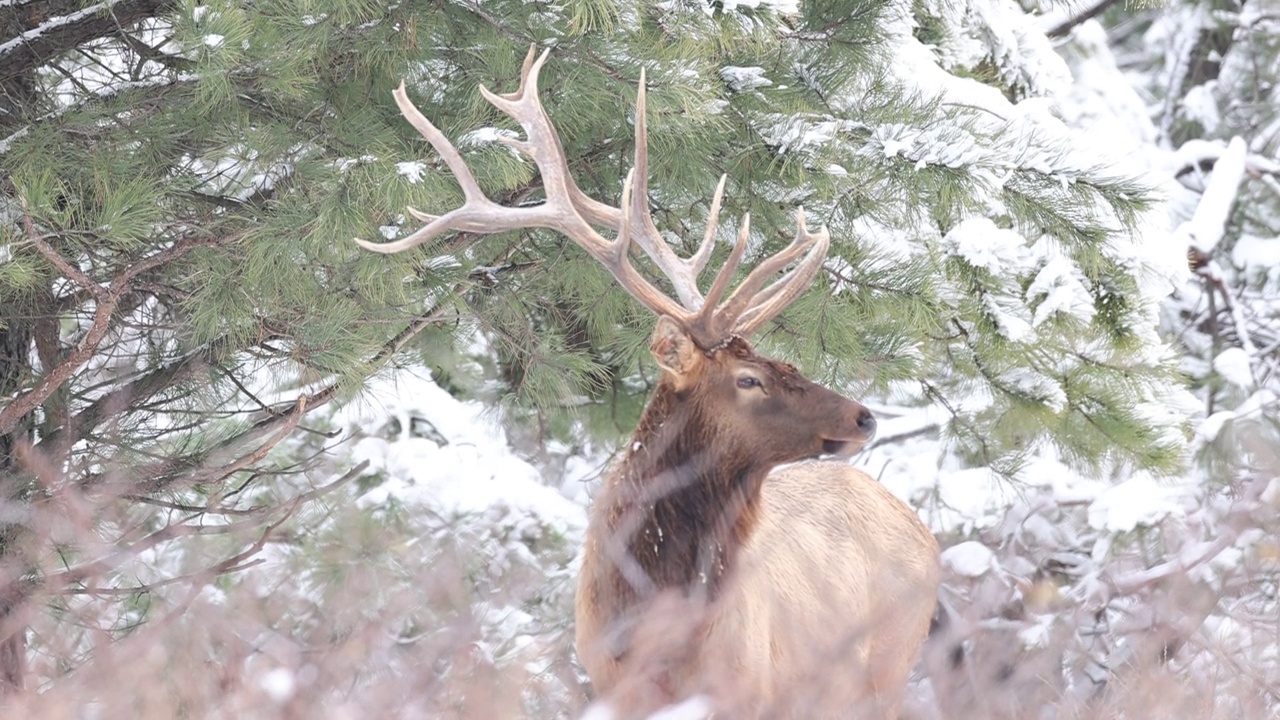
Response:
column 867, row 423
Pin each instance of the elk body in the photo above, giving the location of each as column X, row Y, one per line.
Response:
column 711, row 566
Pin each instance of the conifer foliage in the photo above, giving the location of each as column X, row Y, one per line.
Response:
column 186, row 324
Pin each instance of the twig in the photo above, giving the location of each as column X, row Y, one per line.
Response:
column 28, row 401
column 1066, row 26
column 1131, row 582
column 182, row 529
column 48, row 253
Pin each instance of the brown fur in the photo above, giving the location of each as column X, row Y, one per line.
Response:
column 800, row 592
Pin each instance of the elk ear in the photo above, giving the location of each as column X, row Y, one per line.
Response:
column 675, row 351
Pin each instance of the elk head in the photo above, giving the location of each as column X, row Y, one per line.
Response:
column 754, row 407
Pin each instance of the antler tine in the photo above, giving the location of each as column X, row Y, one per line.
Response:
column 698, row 261
column 746, row 295
column 681, row 273
column 775, row 298
column 620, row 266
column 476, row 211
column 706, row 318
column 543, row 144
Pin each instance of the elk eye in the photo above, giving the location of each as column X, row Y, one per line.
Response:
column 746, row 382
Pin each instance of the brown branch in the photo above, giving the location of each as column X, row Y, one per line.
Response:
column 47, row 251
column 177, row 530
column 132, row 395
column 1066, row 26
column 40, row 45
column 28, row 401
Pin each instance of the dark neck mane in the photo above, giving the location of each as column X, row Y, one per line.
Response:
column 678, row 505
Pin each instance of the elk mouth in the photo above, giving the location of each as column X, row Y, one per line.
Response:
column 842, row 448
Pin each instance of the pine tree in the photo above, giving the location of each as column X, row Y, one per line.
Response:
column 181, row 184
column 1130, row 596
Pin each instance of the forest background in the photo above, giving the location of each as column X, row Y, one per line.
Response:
column 250, row 470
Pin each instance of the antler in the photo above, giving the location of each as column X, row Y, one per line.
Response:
column 570, row 211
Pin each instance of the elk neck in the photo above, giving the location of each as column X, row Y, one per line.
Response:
column 682, row 501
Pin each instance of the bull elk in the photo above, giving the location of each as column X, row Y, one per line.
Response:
column 802, row 591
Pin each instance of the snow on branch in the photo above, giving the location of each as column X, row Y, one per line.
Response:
column 1204, row 230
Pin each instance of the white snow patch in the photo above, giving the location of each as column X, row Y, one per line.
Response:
column 1234, row 367
column 1037, row 385
column 1061, row 284
column 279, row 684
column 1271, row 495
column 1138, row 501
column 697, row 707
column 1204, row 229
column 741, row 79
column 1258, row 258
column 472, row 471
column 985, row 245
column 1011, row 316
column 969, row 559
column 1211, row 426
column 976, row 497
column 487, row 136
column 1199, row 105
column 411, row 170
column 214, row 40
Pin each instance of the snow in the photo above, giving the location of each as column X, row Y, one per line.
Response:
column 741, row 79
column 53, row 23
column 1235, row 366
column 697, row 707
column 1258, row 258
column 1011, row 316
column 1199, row 105
column 1140, row 501
column 784, row 7
column 1211, row 427
column 1037, row 385
column 411, row 170
column 488, row 136
column 984, row 245
column 279, row 684
column 1114, row 111
column 214, row 40
column 472, row 471
column 969, row 559
column 971, row 498
column 1204, row 230
column 465, row 466
column 1271, row 495
column 1061, row 284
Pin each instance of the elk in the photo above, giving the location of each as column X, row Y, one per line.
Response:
column 710, row 565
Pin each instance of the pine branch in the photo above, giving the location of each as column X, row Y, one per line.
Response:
column 100, row 325
column 58, row 34
column 133, row 395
